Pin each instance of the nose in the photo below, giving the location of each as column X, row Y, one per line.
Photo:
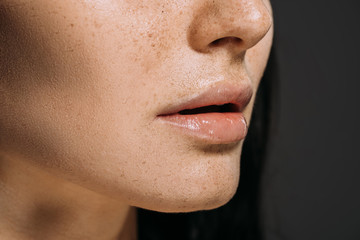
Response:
column 233, row 24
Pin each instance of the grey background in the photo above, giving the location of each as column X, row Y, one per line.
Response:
column 311, row 179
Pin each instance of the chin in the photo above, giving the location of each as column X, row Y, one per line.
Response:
column 204, row 202
column 194, row 198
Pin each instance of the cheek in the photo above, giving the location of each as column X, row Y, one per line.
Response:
column 255, row 62
column 256, row 58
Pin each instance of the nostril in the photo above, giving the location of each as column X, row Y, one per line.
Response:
column 226, row 40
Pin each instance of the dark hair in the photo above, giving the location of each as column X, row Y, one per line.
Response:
column 238, row 219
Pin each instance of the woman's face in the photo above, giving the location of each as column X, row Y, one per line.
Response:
column 92, row 91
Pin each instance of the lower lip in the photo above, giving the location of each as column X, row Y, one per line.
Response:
column 217, row 128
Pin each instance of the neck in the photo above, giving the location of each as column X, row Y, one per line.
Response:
column 37, row 205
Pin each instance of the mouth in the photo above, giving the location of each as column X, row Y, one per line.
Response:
column 215, row 116
column 229, row 107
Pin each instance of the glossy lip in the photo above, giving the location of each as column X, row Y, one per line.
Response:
column 212, row 127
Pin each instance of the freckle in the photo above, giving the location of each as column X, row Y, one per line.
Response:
column 143, row 162
column 72, row 25
column 153, row 45
column 97, row 25
column 150, row 35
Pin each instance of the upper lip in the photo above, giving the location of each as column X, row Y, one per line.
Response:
column 218, row 94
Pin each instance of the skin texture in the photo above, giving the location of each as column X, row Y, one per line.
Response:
column 81, row 84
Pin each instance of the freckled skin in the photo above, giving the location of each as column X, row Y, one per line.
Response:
column 82, row 82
